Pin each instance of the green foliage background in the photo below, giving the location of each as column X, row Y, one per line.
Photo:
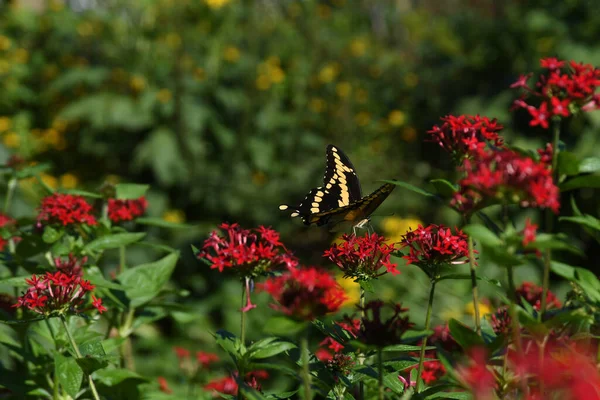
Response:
column 225, row 108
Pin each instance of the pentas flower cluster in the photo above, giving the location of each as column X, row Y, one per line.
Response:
column 561, row 370
column 7, row 223
column 564, row 89
column 476, row 376
column 377, row 330
column 72, row 266
column 66, row 210
column 466, row 135
column 305, row 293
column 228, row 384
column 126, row 210
column 58, row 294
column 251, row 252
column 509, row 177
column 361, row 258
column 434, row 246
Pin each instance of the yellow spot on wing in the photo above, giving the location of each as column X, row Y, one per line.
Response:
column 283, row 207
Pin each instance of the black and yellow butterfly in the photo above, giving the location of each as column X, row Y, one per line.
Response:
column 340, row 198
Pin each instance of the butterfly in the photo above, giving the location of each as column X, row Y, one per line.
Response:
column 339, row 199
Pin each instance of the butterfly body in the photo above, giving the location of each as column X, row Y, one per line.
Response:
column 339, row 199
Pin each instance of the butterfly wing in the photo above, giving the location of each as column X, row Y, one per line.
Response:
column 340, row 188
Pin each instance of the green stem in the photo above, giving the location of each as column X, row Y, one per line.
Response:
column 474, row 286
column 380, row 372
column 516, row 331
column 10, row 191
column 306, row 378
column 424, row 343
column 243, row 315
column 361, row 355
column 79, row 356
column 127, row 347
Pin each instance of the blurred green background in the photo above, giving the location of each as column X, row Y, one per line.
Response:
column 225, row 108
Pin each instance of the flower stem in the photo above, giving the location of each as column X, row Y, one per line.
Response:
column 474, row 286
column 122, row 258
column 78, row 354
column 12, row 184
column 424, row 343
column 380, row 372
column 361, row 355
column 516, row 331
column 306, row 378
column 243, row 316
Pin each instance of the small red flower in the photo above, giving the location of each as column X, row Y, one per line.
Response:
column 72, row 266
column 539, row 116
column 57, row 293
column 305, row 293
column 532, row 294
column 466, row 135
column 506, row 175
column 434, row 246
column 9, row 224
column 560, row 107
column 181, row 353
column 551, row 63
column 501, row 321
column 205, row 359
column 529, row 232
column 442, row 339
column 126, row 210
column 340, row 364
column 225, row 385
column 163, row 385
column 361, row 258
column 65, row 209
column 332, row 344
column 476, row 376
column 432, row 370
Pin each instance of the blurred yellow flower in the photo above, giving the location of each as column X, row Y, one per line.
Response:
column 199, row 74
column 59, row 124
column 396, row 118
column 112, row 179
column 317, row 105
column 277, row 75
column 323, row 11
column 362, row 118
column 329, row 72
column 231, row 54
column 137, row 83
column 263, row 82
column 49, row 180
column 68, row 181
column 85, row 29
column 269, row 72
column 361, row 96
column 174, row 216
column 5, row 124
column 173, row 40
column 409, row 134
column 358, row 47
column 51, row 137
column 351, row 288
column 411, row 79
column 21, row 56
column 343, row 89
column 164, row 95
column 394, row 227
column 4, row 43
column 484, row 309
column 216, row 4
column 4, row 67
column 56, row 5
column 11, row 140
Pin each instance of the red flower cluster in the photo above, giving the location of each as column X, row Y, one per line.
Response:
column 501, row 321
column 563, row 93
column 476, row 376
column 361, row 258
column 378, row 331
column 228, row 384
column 529, row 232
column 8, row 223
column 57, row 293
column 562, row 371
column 205, row 359
column 506, row 176
column 532, row 294
column 65, row 209
column 305, row 293
column 126, row 210
column 73, row 266
column 435, row 245
column 163, row 385
column 433, row 370
column 252, row 252
column 466, row 135
column 442, row 340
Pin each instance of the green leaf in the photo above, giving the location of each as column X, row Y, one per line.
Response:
column 161, row 223
column 270, row 349
column 564, row 270
column 78, row 192
column 483, row 235
column 444, row 188
column 113, row 241
column 130, row 191
column 283, row 326
column 584, row 220
column 391, row 381
column 463, row 335
column 112, row 377
column 585, row 181
column 31, row 245
column 588, row 282
column 554, row 242
column 568, row 163
column 589, row 165
column 33, row 170
column 404, row 348
column 15, row 281
column 143, row 282
column 51, row 235
column 68, row 373
column 94, row 275
column 409, row 187
column 229, row 342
